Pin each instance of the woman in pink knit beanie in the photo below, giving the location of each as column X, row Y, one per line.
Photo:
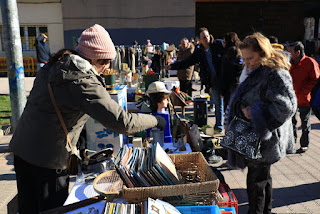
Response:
column 41, row 148
column 96, row 45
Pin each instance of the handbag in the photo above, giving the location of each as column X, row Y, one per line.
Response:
column 74, row 160
column 242, row 139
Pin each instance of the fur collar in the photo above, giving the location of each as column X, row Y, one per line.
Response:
column 82, row 64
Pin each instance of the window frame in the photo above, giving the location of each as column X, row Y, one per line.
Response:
column 25, row 46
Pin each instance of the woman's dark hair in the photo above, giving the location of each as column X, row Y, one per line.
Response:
column 233, row 52
column 231, row 39
column 59, row 55
column 157, row 98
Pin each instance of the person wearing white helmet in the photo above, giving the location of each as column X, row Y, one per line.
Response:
column 159, row 95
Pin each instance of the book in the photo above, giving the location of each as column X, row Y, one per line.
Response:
column 111, row 208
column 165, row 162
column 121, row 208
column 123, row 175
column 152, row 206
column 118, row 156
column 145, row 167
column 125, row 156
column 170, row 209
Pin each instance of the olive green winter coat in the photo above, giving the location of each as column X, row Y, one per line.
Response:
column 79, row 93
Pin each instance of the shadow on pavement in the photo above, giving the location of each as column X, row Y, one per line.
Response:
column 7, row 177
column 4, row 149
column 315, row 126
column 283, row 196
column 9, row 158
column 241, row 195
column 296, row 194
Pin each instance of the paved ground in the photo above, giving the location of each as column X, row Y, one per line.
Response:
column 7, row 175
column 296, row 178
column 4, row 85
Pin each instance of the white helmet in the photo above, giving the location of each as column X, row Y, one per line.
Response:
column 157, row 87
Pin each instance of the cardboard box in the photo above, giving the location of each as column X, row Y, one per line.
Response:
column 99, row 137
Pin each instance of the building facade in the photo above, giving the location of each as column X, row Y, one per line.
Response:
column 35, row 17
column 127, row 21
column 285, row 19
column 165, row 20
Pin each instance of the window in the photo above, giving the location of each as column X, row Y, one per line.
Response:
column 28, row 36
column 23, row 40
column 32, row 35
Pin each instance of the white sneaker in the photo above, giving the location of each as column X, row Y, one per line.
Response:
column 212, row 110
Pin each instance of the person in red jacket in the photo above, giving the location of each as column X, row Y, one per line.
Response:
column 305, row 73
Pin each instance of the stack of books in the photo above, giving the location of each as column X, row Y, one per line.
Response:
column 146, row 167
column 119, row 208
column 150, row 206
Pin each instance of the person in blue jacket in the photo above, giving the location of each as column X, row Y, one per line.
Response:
column 42, row 49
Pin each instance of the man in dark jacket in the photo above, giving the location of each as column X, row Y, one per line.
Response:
column 209, row 56
column 42, row 49
column 305, row 73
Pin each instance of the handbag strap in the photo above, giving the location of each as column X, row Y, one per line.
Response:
column 59, row 115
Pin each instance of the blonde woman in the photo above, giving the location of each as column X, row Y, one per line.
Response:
column 266, row 99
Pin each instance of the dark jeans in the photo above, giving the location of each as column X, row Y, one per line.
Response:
column 39, row 188
column 186, row 86
column 305, row 112
column 259, row 189
column 217, row 100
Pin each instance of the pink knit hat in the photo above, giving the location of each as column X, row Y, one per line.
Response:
column 95, row 43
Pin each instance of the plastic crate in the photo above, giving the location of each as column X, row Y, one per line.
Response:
column 228, row 210
column 212, row 209
column 229, row 203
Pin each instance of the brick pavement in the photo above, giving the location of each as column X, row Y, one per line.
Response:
column 7, row 175
column 296, row 178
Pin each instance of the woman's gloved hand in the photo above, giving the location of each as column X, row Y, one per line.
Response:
column 161, row 122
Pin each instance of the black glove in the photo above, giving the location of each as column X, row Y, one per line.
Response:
column 161, row 122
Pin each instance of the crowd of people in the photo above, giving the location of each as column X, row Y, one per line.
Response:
column 261, row 81
column 256, row 79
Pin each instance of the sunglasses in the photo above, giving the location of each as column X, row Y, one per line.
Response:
column 104, row 61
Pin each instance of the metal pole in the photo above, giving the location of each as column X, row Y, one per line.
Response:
column 12, row 44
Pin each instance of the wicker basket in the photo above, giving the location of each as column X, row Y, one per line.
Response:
column 200, row 183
